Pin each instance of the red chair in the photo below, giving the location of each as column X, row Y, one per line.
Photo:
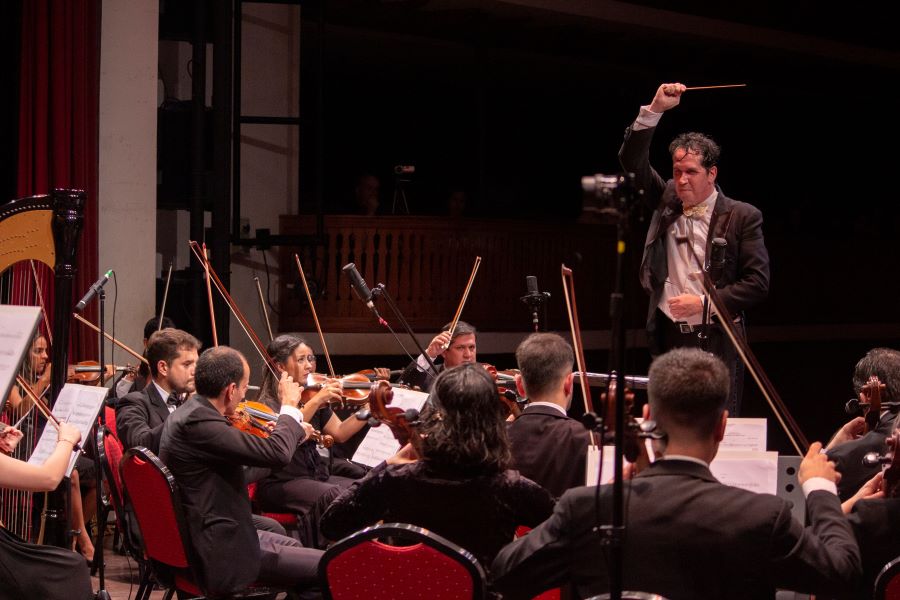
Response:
column 109, row 413
column 365, row 565
column 110, row 452
column 287, row 520
column 887, row 584
column 153, row 493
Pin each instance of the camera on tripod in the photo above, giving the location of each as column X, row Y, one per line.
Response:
column 609, row 194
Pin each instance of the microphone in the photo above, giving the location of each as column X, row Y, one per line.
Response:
column 93, row 291
column 359, row 285
column 531, row 285
column 717, row 260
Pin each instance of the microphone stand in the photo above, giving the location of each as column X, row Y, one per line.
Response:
column 98, row 563
column 381, row 290
column 535, row 301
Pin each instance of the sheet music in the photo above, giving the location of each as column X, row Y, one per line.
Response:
column 745, row 434
column 751, row 471
column 78, row 405
column 380, row 443
column 17, row 325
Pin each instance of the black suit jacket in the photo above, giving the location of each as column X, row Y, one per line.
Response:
column 848, row 456
column 688, row 536
column 876, row 524
column 140, row 417
column 745, row 278
column 205, row 454
column 549, row 448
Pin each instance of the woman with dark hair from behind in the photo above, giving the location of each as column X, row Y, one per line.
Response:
column 461, row 486
column 306, row 486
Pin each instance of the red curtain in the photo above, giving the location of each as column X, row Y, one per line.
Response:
column 58, row 131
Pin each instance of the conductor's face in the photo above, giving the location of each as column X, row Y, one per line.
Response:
column 694, row 183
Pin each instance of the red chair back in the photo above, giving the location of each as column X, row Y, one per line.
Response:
column 432, row 567
column 151, row 489
column 109, row 413
column 887, row 584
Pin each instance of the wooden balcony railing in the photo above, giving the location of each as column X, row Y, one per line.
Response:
column 425, row 262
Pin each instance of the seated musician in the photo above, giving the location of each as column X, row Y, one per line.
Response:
column 850, row 444
column 547, row 445
column 461, row 349
column 30, row 570
column 37, row 372
column 205, row 454
column 140, row 415
column 305, row 486
column 687, row 535
column 135, row 382
column 461, row 486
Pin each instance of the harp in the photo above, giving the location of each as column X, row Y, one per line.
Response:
column 45, row 229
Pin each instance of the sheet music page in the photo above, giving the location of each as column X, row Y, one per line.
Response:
column 78, row 405
column 745, row 434
column 17, row 325
column 379, row 443
column 751, row 471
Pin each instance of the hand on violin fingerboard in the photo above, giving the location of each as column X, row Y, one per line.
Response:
column 849, row 431
column 816, row 464
column 289, row 390
column 873, row 488
column 436, row 347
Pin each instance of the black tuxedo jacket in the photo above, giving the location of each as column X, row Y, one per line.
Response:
column 140, row 417
column 205, row 454
column 875, row 523
column 549, row 448
column 745, row 278
column 687, row 537
column 848, row 456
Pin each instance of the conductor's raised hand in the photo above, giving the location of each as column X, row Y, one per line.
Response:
column 668, row 95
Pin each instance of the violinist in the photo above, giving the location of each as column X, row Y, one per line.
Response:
column 306, row 485
column 547, row 445
column 461, row 487
column 205, row 454
column 31, row 570
column 140, row 415
column 135, row 382
column 850, row 444
column 455, row 349
column 83, row 479
column 687, row 535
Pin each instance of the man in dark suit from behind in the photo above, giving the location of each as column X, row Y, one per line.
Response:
column 205, row 454
column 548, row 446
column 172, row 354
column 851, row 442
column 687, row 535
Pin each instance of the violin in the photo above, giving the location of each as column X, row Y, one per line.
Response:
column 508, row 396
column 87, row 372
column 254, row 418
column 402, row 423
column 634, row 447
column 355, row 389
column 870, row 402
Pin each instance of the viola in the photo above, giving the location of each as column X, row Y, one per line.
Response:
column 870, row 403
column 254, row 418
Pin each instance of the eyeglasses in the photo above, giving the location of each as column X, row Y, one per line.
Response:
column 310, row 358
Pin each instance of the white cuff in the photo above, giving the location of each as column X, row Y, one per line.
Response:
column 422, row 363
column 291, row 411
column 646, row 119
column 818, row 483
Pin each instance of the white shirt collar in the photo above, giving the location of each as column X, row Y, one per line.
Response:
column 692, row 459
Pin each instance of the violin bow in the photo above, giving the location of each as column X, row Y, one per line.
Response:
column 462, row 301
column 42, row 407
column 162, row 310
column 262, row 305
column 568, row 282
column 315, row 318
column 137, row 355
column 212, row 311
column 782, row 415
column 232, row 306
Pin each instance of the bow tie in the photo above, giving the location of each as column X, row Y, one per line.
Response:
column 172, row 400
column 697, row 210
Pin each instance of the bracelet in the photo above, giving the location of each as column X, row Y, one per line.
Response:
column 65, row 440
